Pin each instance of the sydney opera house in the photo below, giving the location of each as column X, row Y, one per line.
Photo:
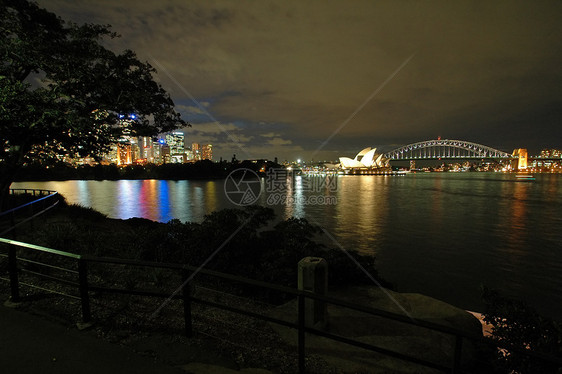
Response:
column 366, row 159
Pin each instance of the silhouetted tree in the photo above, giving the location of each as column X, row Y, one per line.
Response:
column 62, row 91
column 517, row 324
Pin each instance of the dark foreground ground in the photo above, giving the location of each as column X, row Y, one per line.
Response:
column 32, row 344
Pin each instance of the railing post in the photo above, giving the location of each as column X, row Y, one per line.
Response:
column 186, row 297
column 13, row 223
column 301, row 341
column 84, row 296
column 458, row 354
column 13, row 270
column 313, row 277
column 32, row 208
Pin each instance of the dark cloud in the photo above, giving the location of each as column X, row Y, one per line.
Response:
column 482, row 71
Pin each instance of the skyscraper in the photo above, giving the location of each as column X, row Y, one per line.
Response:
column 207, row 152
column 176, row 142
column 124, row 154
column 127, row 148
column 196, row 151
column 146, row 149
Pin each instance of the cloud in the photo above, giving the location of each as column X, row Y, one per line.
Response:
column 301, row 68
column 213, row 128
column 279, row 141
column 201, row 139
column 227, row 138
column 189, row 109
column 270, row 135
column 241, row 138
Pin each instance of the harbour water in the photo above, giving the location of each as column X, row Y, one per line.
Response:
column 440, row 234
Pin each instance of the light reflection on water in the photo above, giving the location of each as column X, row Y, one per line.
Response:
column 434, row 233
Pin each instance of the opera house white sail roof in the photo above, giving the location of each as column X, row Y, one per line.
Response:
column 367, row 158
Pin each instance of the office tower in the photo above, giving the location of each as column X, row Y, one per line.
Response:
column 207, row 152
column 176, row 142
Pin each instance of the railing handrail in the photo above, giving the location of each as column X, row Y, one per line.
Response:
column 51, row 194
column 40, row 248
column 84, row 259
column 11, row 213
column 287, row 290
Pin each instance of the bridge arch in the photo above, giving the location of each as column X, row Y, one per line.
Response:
column 444, row 148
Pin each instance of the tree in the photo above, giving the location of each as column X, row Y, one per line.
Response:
column 63, row 92
column 518, row 325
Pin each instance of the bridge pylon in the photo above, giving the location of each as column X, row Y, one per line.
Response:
column 522, row 155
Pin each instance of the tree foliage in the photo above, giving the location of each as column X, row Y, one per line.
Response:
column 518, row 325
column 252, row 245
column 62, row 91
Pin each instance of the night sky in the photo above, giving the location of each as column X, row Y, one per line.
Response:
column 267, row 79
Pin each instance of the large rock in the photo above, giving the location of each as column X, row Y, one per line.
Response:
column 395, row 336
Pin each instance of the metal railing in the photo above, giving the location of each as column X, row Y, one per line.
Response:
column 82, row 283
column 12, row 218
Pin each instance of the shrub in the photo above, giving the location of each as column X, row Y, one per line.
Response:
column 517, row 324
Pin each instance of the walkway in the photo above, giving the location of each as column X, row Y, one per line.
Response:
column 31, row 344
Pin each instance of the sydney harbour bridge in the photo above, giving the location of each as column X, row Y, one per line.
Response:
column 368, row 160
column 445, row 149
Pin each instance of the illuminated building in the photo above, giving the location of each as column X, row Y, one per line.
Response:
column 207, row 152
column 157, row 151
column 124, row 154
column 111, row 156
column 201, row 152
column 135, row 150
column 165, row 154
column 551, row 153
column 367, row 158
column 146, row 149
column 176, row 143
column 196, row 151
column 127, row 146
column 189, row 155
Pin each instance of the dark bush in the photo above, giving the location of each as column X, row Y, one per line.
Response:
column 517, row 324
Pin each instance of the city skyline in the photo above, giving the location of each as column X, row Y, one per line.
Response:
column 167, row 148
column 320, row 80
